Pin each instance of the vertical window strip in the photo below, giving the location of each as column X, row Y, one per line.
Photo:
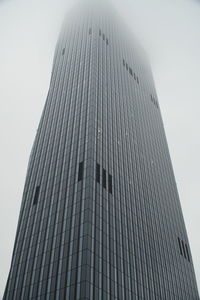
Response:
column 36, row 196
column 180, row 246
column 98, row 173
column 90, row 31
column 110, row 183
column 134, row 75
column 63, row 51
column 104, row 178
column 187, row 252
column 183, row 247
column 131, row 71
column 80, row 171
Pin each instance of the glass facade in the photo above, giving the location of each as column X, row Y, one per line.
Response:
column 100, row 216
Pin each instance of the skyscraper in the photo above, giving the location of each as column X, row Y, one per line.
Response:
column 100, row 216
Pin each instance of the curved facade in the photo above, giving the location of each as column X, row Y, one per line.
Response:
column 100, row 215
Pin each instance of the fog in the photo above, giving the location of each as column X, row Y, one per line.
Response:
column 169, row 30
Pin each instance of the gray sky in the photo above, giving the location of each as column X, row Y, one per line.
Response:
column 170, row 33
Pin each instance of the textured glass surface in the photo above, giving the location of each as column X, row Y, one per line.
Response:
column 100, row 216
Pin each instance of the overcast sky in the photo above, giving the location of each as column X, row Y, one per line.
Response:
column 169, row 30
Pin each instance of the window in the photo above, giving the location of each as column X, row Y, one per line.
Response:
column 187, row 252
column 180, row 247
column 154, row 101
column 104, row 178
column 80, row 171
column 107, row 41
column 90, row 31
column 183, row 246
column 37, row 190
column 137, row 80
column 183, row 249
column 63, row 51
column 98, row 173
column 110, row 183
column 126, row 66
column 100, row 32
column 131, row 71
column 124, row 63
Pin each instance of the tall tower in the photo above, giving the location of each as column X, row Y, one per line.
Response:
column 100, row 216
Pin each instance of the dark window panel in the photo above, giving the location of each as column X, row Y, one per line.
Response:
column 63, row 51
column 131, row 71
column 98, row 173
column 184, row 251
column 80, row 171
column 180, row 246
column 37, row 190
column 187, row 252
column 90, row 31
column 110, row 183
column 104, row 178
